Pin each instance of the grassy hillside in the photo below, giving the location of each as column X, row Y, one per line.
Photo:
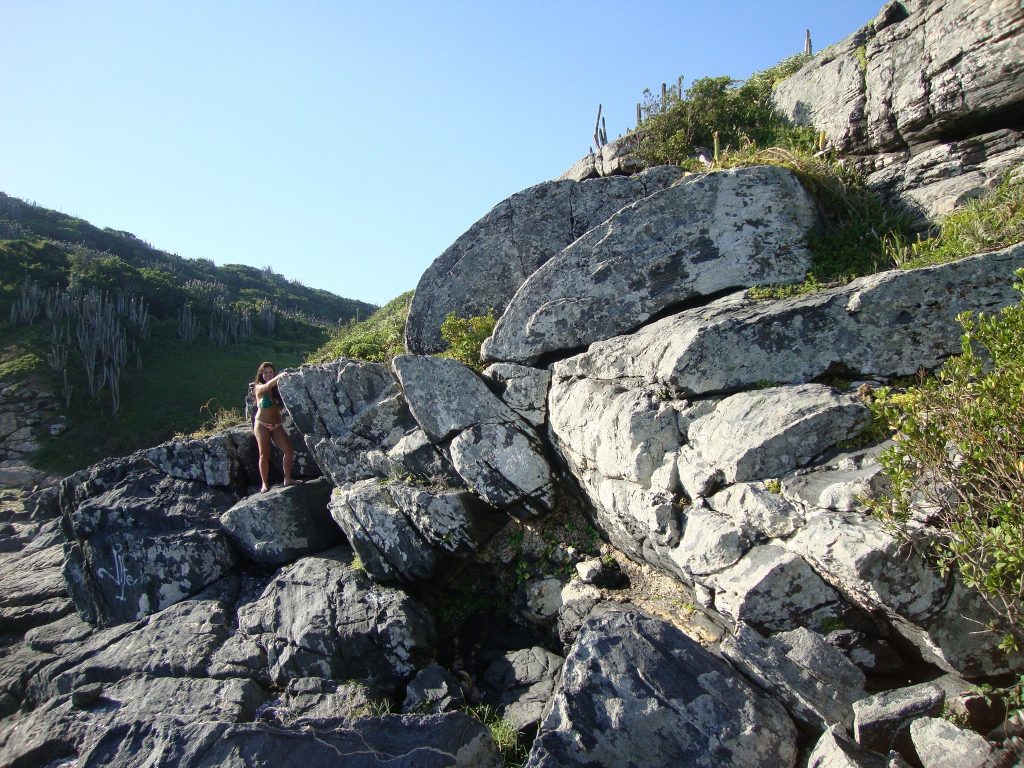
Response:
column 198, row 330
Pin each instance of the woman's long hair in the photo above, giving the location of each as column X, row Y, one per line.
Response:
column 259, row 380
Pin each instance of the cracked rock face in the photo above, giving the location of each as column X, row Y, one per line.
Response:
column 493, row 449
column 636, row 686
column 486, row 265
column 714, row 232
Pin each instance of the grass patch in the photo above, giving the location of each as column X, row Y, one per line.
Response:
column 21, row 355
column 504, row 733
column 378, row 338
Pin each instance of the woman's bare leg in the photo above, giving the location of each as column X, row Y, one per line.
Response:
column 263, row 441
column 282, row 441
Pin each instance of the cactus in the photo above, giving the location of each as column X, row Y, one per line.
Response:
column 188, row 324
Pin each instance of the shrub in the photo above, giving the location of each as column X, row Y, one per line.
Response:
column 957, row 465
column 378, row 338
column 464, row 337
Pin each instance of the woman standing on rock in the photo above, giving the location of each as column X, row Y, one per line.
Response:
column 268, row 427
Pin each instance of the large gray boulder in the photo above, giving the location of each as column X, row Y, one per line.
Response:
column 495, row 451
column 917, row 72
column 638, row 687
column 484, row 268
column 283, row 524
column 144, row 544
column 524, row 681
column 451, row 740
column 32, row 590
column 889, row 324
column 715, row 231
column 409, row 532
column 322, row 617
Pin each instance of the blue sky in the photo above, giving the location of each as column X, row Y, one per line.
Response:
column 344, row 144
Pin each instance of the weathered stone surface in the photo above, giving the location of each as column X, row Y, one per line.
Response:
column 283, row 524
column 578, row 601
column 835, row 749
column 491, row 447
column 770, row 432
column 840, row 482
column 351, row 415
column 484, row 267
column 933, row 180
column 323, row 618
column 32, row 590
column 940, row 744
column 521, row 388
column 715, row 231
column 146, row 543
column 883, row 325
column 212, row 460
column 760, row 513
column 774, row 590
column 314, row 700
column 815, row 654
column 882, row 722
column 434, row 690
column 812, row 698
column 408, row 532
column 525, row 681
column 917, row 72
column 451, row 740
column 639, row 687
column 541, row 600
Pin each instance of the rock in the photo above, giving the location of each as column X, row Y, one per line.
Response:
column 601, row 572
column 451, row 740
column 884, row 325
column 485, row 266
column 841, row 483
column 835, row 749
column 32, row 590
column 283, row 524
column 814, row 653
column 412, row 533
column 771, row 432
column 711, row 543
column 521, row 388
column 578, row 601
column 871, row 655
column 639, row 687
column 915, row 73
column 940, row 744
column 760, row 513
column 320, row 617
column 715, row 231
column 810, row 695
column 494, row 450
column 612, row 158
column 145, row 544
column 319, row 702
column 434, row 690
column 214, row 460
column 525, row 681
column 882, row 722
column 541, row 599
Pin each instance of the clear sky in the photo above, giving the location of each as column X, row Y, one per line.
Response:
column 344, row 144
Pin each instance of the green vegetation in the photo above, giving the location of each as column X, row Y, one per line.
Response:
column 464, row 337
column 504, row 733
column 957, row 463
column 378, row 338
column 719, row 112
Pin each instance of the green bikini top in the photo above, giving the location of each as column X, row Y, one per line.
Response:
column 266, row 401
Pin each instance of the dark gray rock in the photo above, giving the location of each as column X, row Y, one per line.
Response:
column 940, row 744
column 32, row 590
column 492, row 448
column 144, row 544
column 578, row 600
column 521, row 388
column 882, row 722
column 714, row 231
column 524, row 682
column 320, row 702
column 216, row 460
column 321, row 617
column 835, row 749
column 483, row 268
column 884, row 325
column 283, row 524
column 434, row 690
column 410, row 532
column 540, row 600
column 639, row 689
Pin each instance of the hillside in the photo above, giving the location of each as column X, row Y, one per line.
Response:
column 173, row 341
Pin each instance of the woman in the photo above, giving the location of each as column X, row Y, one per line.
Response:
column 268, row 427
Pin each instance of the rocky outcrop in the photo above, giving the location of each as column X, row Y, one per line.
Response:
column 614, row 158
column 715, row 231
column 28, row 411
column 484, row 268
column 639, row 687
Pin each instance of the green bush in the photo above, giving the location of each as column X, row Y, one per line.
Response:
column 378, row 338
column 957, row 463
column 739, row 113
column 464, row 337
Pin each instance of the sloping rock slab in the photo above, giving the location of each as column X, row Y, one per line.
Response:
column 145, row 544
column 713, row 232
column 321, row 617
column 32, row 590
column 835, row 749
column 492, row 448
column 636, row 690
column 889, row 324
column 525, row 681
column 486, row 265
column 451, row 740
column 409, row 532
column 283, row 524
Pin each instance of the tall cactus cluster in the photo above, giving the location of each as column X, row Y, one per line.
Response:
column 228, row 325
column 188, row 324
column 107, row 329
